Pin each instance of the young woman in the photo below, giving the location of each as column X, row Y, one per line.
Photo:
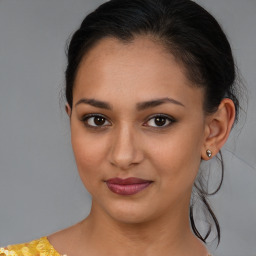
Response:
column 150, row 95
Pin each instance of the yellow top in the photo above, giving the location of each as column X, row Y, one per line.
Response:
column 40, row 247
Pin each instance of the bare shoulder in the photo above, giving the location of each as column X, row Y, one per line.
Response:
column 65, row 240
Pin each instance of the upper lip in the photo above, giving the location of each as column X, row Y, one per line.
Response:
column 127, row 181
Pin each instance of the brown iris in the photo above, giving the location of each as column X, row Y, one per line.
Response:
column 98, row 120
column 160, row 121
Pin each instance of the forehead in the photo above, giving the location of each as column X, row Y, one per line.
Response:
column 139, row 69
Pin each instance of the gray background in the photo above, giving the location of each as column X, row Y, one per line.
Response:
column 40, row 191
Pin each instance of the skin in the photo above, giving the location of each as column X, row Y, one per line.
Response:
column 129, row 143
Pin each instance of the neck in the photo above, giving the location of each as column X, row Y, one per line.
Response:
column 159, row 236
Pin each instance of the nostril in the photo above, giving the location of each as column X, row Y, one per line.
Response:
column 125, row 158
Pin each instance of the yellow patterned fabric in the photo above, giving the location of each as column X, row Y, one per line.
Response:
column 40, row 247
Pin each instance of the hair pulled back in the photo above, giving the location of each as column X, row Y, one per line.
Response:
column 187, row 31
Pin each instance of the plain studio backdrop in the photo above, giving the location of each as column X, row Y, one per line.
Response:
column 40, row 191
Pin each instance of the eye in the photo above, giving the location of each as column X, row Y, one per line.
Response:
column 95, row 121
column 160, row 121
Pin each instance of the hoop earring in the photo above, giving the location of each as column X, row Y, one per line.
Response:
column 209, row 153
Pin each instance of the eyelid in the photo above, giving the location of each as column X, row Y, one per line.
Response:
column 87, row 116
column 168, row 117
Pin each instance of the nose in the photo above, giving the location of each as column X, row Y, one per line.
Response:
column 125, row 151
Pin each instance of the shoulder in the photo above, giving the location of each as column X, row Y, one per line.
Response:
column 33, row 248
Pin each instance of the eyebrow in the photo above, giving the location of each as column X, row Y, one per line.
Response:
column 156, row 102
column 94, row 103
column 139, row 106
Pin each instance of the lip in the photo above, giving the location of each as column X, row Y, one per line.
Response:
column 129, row 186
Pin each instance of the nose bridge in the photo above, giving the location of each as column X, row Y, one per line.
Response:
column 124, row 148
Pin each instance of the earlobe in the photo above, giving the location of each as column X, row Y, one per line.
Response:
column 68, row 109
column 218, row 127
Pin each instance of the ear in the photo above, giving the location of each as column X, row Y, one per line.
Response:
column 68, row 109
column 218, row 127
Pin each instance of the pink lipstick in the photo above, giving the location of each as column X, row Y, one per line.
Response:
column 129, row 186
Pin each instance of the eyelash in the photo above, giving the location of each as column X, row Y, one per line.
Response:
column 87, row 117
column 168, row 118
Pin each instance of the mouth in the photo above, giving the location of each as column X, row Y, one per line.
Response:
column 129, row 186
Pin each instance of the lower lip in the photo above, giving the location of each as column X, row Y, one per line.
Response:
column 127, row 189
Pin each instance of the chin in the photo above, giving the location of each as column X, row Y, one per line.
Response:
column 131, row 218
column 130, row 213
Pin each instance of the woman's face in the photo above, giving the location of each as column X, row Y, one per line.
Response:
column 137, row 130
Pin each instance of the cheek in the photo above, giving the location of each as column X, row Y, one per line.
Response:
column 178, row 156
column 89, row 152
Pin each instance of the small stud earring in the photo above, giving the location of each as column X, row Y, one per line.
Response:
column 209, row 153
